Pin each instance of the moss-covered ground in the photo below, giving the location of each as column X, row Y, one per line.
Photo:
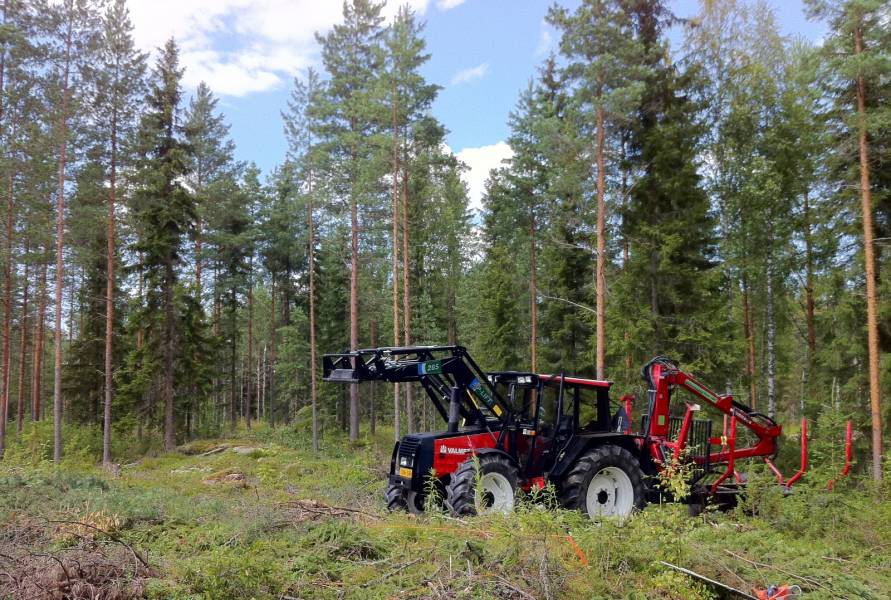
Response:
column 262, row 516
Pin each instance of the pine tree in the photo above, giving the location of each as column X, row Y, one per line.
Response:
column 302, row 129
column 210, row 158
column 119, row 85
column 859, row 56
column 351, row 53
column 604, row 62
column 73, row 29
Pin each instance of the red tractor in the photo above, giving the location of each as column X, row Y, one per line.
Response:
column 517, row 430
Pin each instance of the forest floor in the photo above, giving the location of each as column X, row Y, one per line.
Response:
column 262, row 516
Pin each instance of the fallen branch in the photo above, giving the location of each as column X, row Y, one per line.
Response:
column 755, row 563
column 392, row 572
column 707, row 580
column 109, row 535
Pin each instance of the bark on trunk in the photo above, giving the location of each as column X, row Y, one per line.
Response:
column 109, row 297
column 771, row 343
column 39, row 339
column 869, row 259
column 749, row 331
column 273, row 324
column 249, row 384
column 601, row 248
column 4, row 382
column 406, row 295
column 169, row 355
column 533, row 291
column 60, row 246
column 313, row 385
column 373, row 387
column 397, row 426
column 354, row 307
column 7, row 316
column 23, row 349
column 809, row 286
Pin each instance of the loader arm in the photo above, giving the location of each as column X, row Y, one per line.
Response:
column 438, row 369
column 662, row 375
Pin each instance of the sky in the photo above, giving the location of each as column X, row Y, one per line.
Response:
column 483, row 54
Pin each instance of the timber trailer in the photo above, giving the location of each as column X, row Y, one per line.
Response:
column 511, row 430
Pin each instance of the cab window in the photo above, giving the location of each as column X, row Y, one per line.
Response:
column 589, row 416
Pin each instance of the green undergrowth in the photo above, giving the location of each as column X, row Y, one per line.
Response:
column 259, row 515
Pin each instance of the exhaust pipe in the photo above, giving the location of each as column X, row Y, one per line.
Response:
column 454, row 409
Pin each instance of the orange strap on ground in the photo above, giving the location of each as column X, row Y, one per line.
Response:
column 578, row 551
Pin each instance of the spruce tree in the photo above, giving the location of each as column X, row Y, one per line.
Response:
column 164, row 214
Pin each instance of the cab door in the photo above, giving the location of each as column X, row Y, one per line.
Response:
column 554, row 417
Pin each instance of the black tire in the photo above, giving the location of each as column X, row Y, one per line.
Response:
column 607, row 460
column 396, row 500
column 461, row 497
column 414, row 502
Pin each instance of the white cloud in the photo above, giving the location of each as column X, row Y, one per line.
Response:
column 479, row 162
column 241, row 46
column 449, row 4
column 545, row 40
column 467, row 75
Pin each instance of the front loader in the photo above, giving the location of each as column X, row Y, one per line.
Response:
column 513, row 430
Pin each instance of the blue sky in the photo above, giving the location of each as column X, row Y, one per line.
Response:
column 483, row 54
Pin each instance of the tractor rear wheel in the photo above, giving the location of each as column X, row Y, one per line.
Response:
column 497, row 479
column 605, row 482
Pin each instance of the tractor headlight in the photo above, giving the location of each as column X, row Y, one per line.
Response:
column 404, row 461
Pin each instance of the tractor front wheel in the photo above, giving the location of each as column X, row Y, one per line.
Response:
column 398, row 500
column 605, row 482
column 497, row 479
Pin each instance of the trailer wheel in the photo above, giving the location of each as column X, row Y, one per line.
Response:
column 605, row 482
column 498, row 483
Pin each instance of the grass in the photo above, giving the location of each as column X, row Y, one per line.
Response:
column 274, row 520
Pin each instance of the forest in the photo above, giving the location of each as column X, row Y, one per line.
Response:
column 724, row 200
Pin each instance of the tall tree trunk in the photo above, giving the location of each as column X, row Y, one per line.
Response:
column 872, row 329
column 273, row 324
column 23, row 352
column 749, row 332
column 39, row 339
column 233, row 409
column 169, row 355
column 533, row 291
column 771, row 341
column 199, row 241
column 109, row 294
column 601, row 248
column 249, row 387
column 7, row 270
column 7, row 315
column 395, row 259
column 60, row 247
column 354, row 307
column 406, row 294
column 313, row 385
column 809, row 285
column 372, row 417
